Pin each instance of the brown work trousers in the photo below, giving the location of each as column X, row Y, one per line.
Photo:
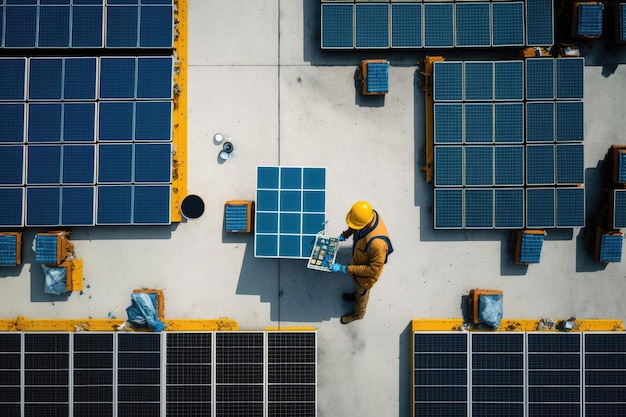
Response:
column 362, row 296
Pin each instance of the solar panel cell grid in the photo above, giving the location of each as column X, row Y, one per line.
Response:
column 77, row 206
column 406, row 25
column 11, row 165
column 53, row 27
column 570, row 164
column 12, row 213
column 539, row 22
column 540, row 208
column 45, row 79
column 569, row 78
column 611, row 248
column 619, row 209
column 44, row 164
column 448, row 208
column 509, row 208
column 122, row 26
column 154, row 77
column 338, row 26
column 117, row 78
column 507, row 24
column 473, row 24
column 114, row 205
column 479, row 208
column 12, row 79
column 478, row 81
column 447, row 79
column 80, row 76
column 589, row 19
column 478, row 123
column 438, row 25
column 448, row 166
column 509, row 77
column 87, row 26
column 479, row 165
column 372, row 25
column 509, row 165
column 43, row 206
column 79, row 122
column 153, row 163
column 539, row 77
column 570, row 205
column 540, row 122
column 570, row 121
column 20, row 26
column 448, row 123
column 622, row 22
column 509, row 122
column 540, row 164
column 78, row 164
column 44, row 122
column 156, row 27
column 115, row 121
column 151, row 204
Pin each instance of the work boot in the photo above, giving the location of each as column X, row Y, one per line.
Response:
column 351, row 297
column 348, row 318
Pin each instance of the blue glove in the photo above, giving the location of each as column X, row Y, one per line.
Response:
column 339, row 268
column 341, row 238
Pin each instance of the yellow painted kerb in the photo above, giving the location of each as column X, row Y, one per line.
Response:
column 521, row 325
column 23, row 324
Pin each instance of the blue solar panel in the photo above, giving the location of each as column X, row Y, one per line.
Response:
column 12, row 79
column 153, row 121
column 12, row 213
column 45, row 79
column 540, row 208
column 509, row 165
column 289, row 246
column 312, row 223
column 87, row 26
column 46, row 249
column 44, row 164
column 438, row 25
column 478, row 123
column 619, row 209
column 570, row 164
column 8, row 250
column 478, row 81
column 479, row 165
column 448, row 123
column 267, row 177
column 507, row 23
column 622, row 21
column 473, row 24
column 79, row 162
column 154, row 77
column 337, row 26
column 267, row 200
column 589, row 19
column 54, row 27
column 114, row 204
column 115, row 121
column 80, row 78
column 448, row 208
column 611, row 248
column 122, row 26
column 447, row 79
column 11, row 165
column 406, row 25
column 314, row 201
column 540, row 78
column 314, row 179
column 539, row 22
column 569, row 78
column 79, row 122
column 479, row 208
column 604, row 374
column 43, row 206
column 77, row 206
column 115, row 163
column 151, row 204
column 570, row 207
column 20, row 26
column 509, row 122
column 378, row 77
column 236, row 217
column 44, row 122
column 540, row 164
column 266, row 246
column 540, row 122
column 267, row 223
column 509, row 208
column 117, row 78
column 290, row 178
column 156, row 27
column 570, row 119
column 372, row 25
column 448, row 166
column 153, row 163
column 1, row 24
column 12, row 122
column 290, row 201
column 530, row 248
column 509, row 77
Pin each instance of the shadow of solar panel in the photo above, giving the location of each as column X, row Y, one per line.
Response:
column 438, row 25
column 77, row 206
column 151, row 204
column 540, row 164
column 117, row 78
column 12, row 79
column 114, row 205
column 43, row 206
column 479, row 165
column 12, row 121
column 540, row 208
column 79, row 122
column 539, row 78
column 337, row 26
column 448, row 166
column 53, row 27
column 507, row 23
column 447, row 78
column 44, row 164
column 156, row 27
column 478, row 123
column 478, row 80
column 509, row 77
column 45, row 79
column 479, row 208
column 448, row 127
column 509, row 208
column 406, row 25
column 122, row 26
column 80, row 78
column 115, row 163
column 570, row 164
column 569, row 78
column 589, row 19
column 619, row 209
column 153, row 162
column 570, row 121
column 79, row 164
column 372, row 25
column 448, row 209
column 154, row 77
column 87, row 25
column 11, row 165
column 540, row 122
column 509, row 165
column 12, row 213
column 115, row 121
column 509, row 122
column 473, row 24
column 44, row 122
column 539, row 22
column 20, row 27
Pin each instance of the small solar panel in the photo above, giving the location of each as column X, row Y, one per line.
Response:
column 478, row 122
column 509, row 165
column 611, row 247
column 151, row 204
column 87, row 25
column 508, row 76
column 479, row 165
column 478, row 80
column 539, row 22
column 12, row 213
column 117, row 78
column 79, row 122
column 472, row 24
column 448, row 208
column 438, row 25
column 12, row 79
column 155, row 77
column 508, row 122
column 43, row 206
column 570, row 119
column 540, row 208
column 540, row 164
column 156, row 26
column 46, row 249
column 115, row 163
column 539, row 78
column 621, row 18
column 570, row 164
column 479, row 209
column 337, row 26
column 570, row 207
column 45, row 79
column 406, row 25
column 8, row 257
column 80, row 76
column 153, row 163
column 79, row 164
column 12, row 116
column 20, row 27
column 115, row 121
column 372, row 25
column 115, row 204
column 621, row 166
column 509, row 208
column 540, row 122
column 530, row 247
column 378, row 77
column 44, row 122
column 448, row 166
column 11, row 165
column 569, row 78
column 122, row 26
column 507, row 23
column 619, row 209
column 447, row 78
column 78, row 206
column 589, row 19
column 44, row 164
column 448, row 127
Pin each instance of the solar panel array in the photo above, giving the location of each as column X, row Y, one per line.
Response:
column 149, row 374
column 290, row 211
column 518, row 374
column 508, row 144
column 401, row 24
column 87, row 24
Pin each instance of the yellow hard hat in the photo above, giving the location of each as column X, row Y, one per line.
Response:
column 360, row 215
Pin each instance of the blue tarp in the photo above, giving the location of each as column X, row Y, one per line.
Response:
column 143, row 311
column 490, row 310
column 55, row 280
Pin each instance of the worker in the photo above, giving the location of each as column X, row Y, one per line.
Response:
column 370, row 248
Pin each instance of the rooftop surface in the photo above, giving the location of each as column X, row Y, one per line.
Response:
column 256, row 73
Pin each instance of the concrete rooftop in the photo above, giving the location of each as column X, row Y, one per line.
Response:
column 257, row 74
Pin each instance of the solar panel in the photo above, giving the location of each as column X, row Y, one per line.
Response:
column 46, row 249
column 153, row 163
column 156, row 26
column 448, row 208
column 93, row 374
column 611, row 247
column 115, row 205
column 508, row 77
column 87, row 25
column 11, row 165
column 540, row 122
column 605, row 374
column 80, row 75
column 509, row 208
column 621, row 18
column 479, row 209
column 20, row 27
column 53, row 27
column 8, row 257
column 79, row 122
column 448, row 166
column 45, row 79
column 508, row 122
column 589, row 19
column 44, row 164
column 570, row 121
column 540, row 208
column 570, row 164
column 372, row 25
column 122, row 26
column 472, row 24
column 12, row 79
column 115, row 121
column 479, row 165
column 569, row 78
column 44, row 122
column 539, row 22
column 79, row 164
column 540, row 164
column 155, row 77
column 78, row 206
column 151, row 204
column 12, row 117
column 509, row 165
column 438, row 25
column 43, row 206
column 540, row 78
column 117, row 78
column 12, row 213
column 406, row 25
column 478, row 79
column 10, row 365
column 448, row 126
column 507, row 23
column 378, row 77
column 338, row 26
column 115, row 163
column 570, row 207
column 619, row 209
column 478, row 122
column 447, row 78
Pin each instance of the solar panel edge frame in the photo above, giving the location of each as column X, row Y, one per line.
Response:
column 493, row 122
column 23, row 208
column 173, row 37
column 367, row 4
column 462, row 208
column 169, row 201
column 107, row 185
column 450, row 186
column 523, row 81
column 523, row 219
column 582, row 80
column 530, row 103
column 561, row 145
column 438, row 3
column 445, row 104
column 102, row 24
column 97, row 81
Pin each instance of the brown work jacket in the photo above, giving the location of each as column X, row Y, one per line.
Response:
column 369, row 253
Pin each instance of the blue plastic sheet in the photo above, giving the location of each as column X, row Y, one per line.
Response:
column 143, row 311
column 490, row 310
column 55, row 280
